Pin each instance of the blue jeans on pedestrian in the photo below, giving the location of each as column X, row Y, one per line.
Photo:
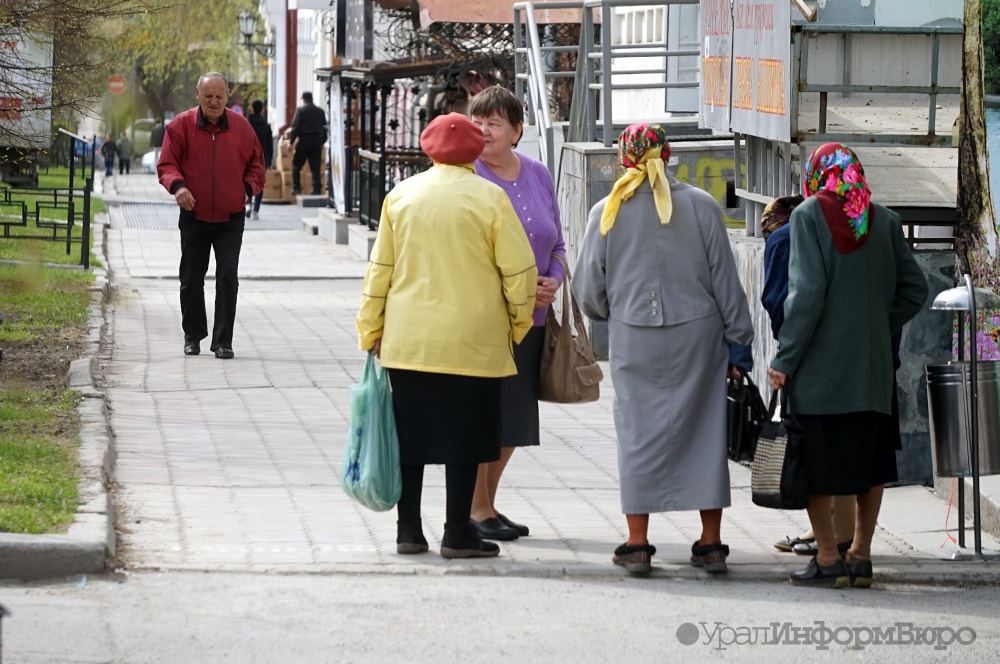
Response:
column 109, row 166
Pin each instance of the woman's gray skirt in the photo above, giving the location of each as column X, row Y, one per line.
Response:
column 670, row 415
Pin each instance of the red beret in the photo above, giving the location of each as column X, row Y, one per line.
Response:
column 452, row 139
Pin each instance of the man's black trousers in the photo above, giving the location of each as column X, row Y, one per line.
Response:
column 308, row 148
column 198, row 239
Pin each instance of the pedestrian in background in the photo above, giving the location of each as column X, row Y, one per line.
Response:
column 852, row 283
column 528, row 185
column 124, row 154
column 262, row 128
column 450, row 284
column 774, row 228
column 656, row 264
column 156, row 138
column 212, row 164
column 108, row 150
column 308, row 133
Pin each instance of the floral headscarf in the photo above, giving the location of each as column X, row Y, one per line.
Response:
column 835, row 176
column 642, row 149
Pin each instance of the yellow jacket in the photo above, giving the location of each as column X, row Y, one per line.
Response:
column 451, row 279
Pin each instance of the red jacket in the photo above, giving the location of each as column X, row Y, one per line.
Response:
column 220, row 164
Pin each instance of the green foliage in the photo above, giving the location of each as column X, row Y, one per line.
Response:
column 37, row 463
column 182, row 40
column 991, row 46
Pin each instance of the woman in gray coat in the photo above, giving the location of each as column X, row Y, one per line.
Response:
column 656, row 264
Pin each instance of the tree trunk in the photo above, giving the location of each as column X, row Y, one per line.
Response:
column 976, row 242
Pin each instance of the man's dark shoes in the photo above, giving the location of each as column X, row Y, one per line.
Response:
column 494, row 529
column 710, row 557
column 522, row 531
column 636, row 559
column 818, row 576
column 316, row 193
column 191, row 347
column 296, row 191
column 224, row 352
column 464, row 542
column 860, row 574
column 410, row 537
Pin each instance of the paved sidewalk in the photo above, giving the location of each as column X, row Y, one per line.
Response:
column 233, row 465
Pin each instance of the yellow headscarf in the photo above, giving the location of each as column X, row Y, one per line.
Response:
column 641, row 150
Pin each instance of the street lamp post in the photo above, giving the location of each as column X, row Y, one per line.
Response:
column 248, row 27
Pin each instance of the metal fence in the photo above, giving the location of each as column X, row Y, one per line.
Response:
column 380, row 171
column 56, row 215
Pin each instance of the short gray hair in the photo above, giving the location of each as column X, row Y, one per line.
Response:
column 213, row 74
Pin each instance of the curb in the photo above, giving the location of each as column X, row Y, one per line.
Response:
column 90, row 540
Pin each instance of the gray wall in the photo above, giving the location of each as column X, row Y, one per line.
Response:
column 588, row 172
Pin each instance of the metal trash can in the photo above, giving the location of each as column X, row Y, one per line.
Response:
column 948, row 411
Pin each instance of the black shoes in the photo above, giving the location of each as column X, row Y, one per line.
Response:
column 224, row 352
column 316, row 193
column 191, row 347
column 522, row 531
column 636, row 559
column 296, row 191
column 464, row 542
column 494, row 529
column 860, row 574
column 410, row 537
column 818, row 576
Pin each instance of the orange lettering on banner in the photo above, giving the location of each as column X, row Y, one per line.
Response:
column 771, row 86
column 743, row 83
column 716, row 86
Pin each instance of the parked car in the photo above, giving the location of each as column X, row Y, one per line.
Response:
column 143, row 129
column 149, row 163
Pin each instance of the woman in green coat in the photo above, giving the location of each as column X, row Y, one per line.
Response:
column 852, row 283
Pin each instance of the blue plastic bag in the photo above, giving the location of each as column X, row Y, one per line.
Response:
column 370, row 470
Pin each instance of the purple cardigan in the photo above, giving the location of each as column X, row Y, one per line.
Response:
column 534, row 200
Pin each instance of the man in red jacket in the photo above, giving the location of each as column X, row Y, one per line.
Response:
column 212, row 163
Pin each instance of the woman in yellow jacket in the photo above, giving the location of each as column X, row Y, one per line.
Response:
column 450, row 286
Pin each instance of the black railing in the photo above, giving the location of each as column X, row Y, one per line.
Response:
column 380, row 171
column 48, row 214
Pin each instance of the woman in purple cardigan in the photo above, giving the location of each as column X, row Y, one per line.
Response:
column 529, row 185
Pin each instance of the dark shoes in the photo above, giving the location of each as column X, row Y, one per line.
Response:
column 316, row 193
column 522, row 531
column 494, row 529
column 191, row 347
column 464, row 542
column 817, row 576
column 410, row 537
column 860, row 574
column 710, row 557
column 296, row 191
column 224, row 352
column 789, row 543
column 637, row 559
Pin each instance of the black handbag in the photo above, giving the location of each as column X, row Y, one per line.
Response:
column 746, row 413
column 778, row 472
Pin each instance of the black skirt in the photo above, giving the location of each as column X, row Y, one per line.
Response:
column 443, row 418
column 519, row 394
column 848, row 453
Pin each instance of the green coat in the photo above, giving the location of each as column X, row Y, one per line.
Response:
column 841, row 312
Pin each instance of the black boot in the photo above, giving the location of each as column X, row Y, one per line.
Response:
column 410, row 537
column 464, row 542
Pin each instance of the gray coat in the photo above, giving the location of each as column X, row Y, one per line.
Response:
column 675, row 307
